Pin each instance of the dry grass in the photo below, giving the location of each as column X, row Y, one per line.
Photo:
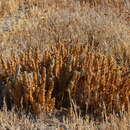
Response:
column 112, row 3
column 57, row 54
column 11, row 121
column 103, row 27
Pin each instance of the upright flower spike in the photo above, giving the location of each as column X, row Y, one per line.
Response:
column 4, row 65
column 57, row 66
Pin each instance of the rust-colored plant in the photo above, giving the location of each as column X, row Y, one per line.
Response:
column 42, row 81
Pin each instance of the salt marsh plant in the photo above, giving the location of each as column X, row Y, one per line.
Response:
column 42, row 81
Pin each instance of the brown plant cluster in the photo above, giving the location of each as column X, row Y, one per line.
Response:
column 54, row 78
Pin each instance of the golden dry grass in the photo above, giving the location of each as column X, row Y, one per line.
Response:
column 103, row 27
column 10, row 120
column 44, row 68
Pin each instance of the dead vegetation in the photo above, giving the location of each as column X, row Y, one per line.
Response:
column 103, row 27
column 42, row 81
column 69, row 56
